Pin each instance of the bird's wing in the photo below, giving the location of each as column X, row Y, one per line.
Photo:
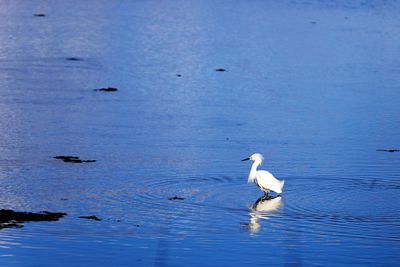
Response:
column 266, row 180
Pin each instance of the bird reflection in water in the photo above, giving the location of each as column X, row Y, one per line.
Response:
column 262, row 209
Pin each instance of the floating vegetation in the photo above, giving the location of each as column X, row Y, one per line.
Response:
column 73, row 159
column 176, row 198
column 90, row 217
column 10, row 218
column 74, row 59
column 108, row 89
column 389, row 150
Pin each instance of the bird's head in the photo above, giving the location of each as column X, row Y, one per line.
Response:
column 257, row 157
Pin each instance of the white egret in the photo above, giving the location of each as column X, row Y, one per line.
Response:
column 263, row 179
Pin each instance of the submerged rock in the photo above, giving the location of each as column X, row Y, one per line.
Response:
column 176, row 198
column 74, row 159
column 389, row 150
column 90, row 217
column 10, row 218
column 108, row 89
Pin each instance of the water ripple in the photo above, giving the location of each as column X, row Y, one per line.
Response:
column 332, row 205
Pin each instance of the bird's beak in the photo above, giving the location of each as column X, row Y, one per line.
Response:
column 245, row 159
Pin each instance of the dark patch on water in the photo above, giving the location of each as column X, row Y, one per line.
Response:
column 74, row 159
column 74, row 59
column 108, row 89
column 10, row 218
column 176, row 198
column 65, row 157
column 389, row 150
column 217, row 179
column 90, row 217
column 80, row 160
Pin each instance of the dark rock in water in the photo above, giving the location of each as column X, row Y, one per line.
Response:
column 176, row 198
column 10, row 218
column 74, row 59
column 109, row 89
column 39, row 15
column 389, row 150
column 91, row 217
column 74, row 159
column 220, row 69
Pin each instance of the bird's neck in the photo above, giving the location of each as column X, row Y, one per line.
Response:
column 253, row 171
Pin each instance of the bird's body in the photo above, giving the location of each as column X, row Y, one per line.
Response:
column 263, row 179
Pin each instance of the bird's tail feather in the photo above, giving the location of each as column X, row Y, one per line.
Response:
column 282, row 183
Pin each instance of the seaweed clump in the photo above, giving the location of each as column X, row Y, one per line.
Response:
column 74, row 159
column 108, row 89
column 10, row 218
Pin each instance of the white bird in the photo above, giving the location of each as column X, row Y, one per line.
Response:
column 263, row 179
